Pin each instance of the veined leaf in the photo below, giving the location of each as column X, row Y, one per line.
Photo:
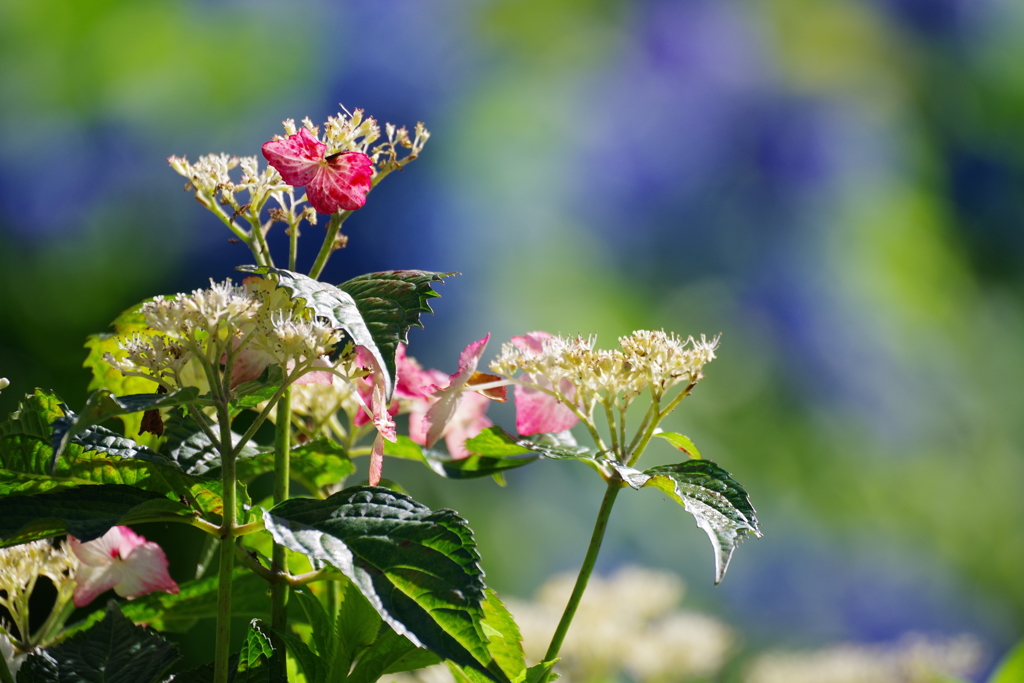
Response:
column 113, row 651
column 86, row 512
column 391, row 303
column 189, row 446
column 311, row 666
column 390, row 653
column 418, row 568
column 504, row 640
column 262, row 659
column 465, row 468
column 681, row 442
column 709, row 493
column 250, row 394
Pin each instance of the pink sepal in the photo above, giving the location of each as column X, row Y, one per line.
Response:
column 441, row 412
column 122, row 560
column 335, row 183
column 537, row 412
column 296, row 157
column 377, row 459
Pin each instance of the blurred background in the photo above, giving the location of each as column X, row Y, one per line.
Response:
column 836, row 186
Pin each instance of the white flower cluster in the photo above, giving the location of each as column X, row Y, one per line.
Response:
column 913, row 659
column 628, row 623
column 646, row 359
column 20, row 569
column 357, row 132
column 256, row 322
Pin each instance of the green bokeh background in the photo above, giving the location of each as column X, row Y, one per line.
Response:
column 836, row 186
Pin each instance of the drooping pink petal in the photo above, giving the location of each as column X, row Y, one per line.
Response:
column 297, row 157
column 313, row 376
column 413, row 381
column 377, row 460
column 341, row 183
column 248, row 365
column 538, row 412
column 441, row 412
column 122, row 560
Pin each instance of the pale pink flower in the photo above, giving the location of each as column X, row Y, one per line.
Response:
column 333, row 182
column 377, row 409
column 453, row 414
column 538, row 412
column 122, row 560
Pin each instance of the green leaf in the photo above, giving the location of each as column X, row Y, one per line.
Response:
column 94, row 456
column 465, row 468
column 418, row 568
column 538, row 671
column 113, row 651
column 315, row 464
column 1011, row 669
column 189, row 446
column 681, row 442
column 86, row 512
column 717, row 501
column 324, row 640
column 250, row 394
column 312, row 666
column 391, row 653
column 496, row 442
column 262, row 659
column 356, row 629
column 391, row 303
column 504, row 640
column 337, row 307
column 103, row 405
column 195, row 600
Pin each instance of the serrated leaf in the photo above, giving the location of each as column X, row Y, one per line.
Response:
column 315, row 464
column 495, row 442
column 716, row 500
column 250, row 394
column 681, row 442
column 87, row 512
column 195, row 600
column 391, row 653
column 262, row 658
column 418, row 568
column 504, row 640
column 1011, row 669
column 336, row 307
column 539, row 671
column 312, row 666
column 189, row 446
column 324, row 640
column 391, row 303
column 103, row 405
column 113, row 651
column 94, row 456
column 356, row 628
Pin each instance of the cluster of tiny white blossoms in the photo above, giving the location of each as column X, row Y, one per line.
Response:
column 357, row 132
column 220, row 321
column 653, row 360
column 20, row 569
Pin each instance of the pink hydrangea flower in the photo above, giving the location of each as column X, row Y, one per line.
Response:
column 377, row 410
column 536, row 411
column 453, row 414
column 122, row 560
column 333, row 182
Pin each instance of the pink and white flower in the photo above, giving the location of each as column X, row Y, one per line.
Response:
column 537, row 411
column 333, row 182
column 123, row 560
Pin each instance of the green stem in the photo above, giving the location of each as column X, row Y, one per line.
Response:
column 5, row 673
column 328, row 246
column 222, row 648
column 588, row 566
column 279, row 557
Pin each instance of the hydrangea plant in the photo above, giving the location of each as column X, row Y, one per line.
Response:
column 363, row 581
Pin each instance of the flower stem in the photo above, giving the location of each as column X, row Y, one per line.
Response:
column 222, row 648
column 328, row 246
column 282, row 477
column 584, row 576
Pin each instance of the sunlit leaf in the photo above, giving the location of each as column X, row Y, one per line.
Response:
column 262, row 658
column 681, row 442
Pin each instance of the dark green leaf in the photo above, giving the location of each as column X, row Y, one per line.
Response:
column 204, row 674
column 189, row 446
column 337, row 307
column 391, row 303
column 357, row 626
column 113, row 651
column 262, row 659
column 314, row 668
column 250, row 394
column 195, row 600
column 717, row 501
column 418, row 568
column 103, row 405
column 26, row 454
column 324, row 640
column 391, row 653
column 99, row 439
column 681, row 442
column 86, row 512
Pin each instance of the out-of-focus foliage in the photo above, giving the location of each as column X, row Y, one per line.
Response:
column 835, row 185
